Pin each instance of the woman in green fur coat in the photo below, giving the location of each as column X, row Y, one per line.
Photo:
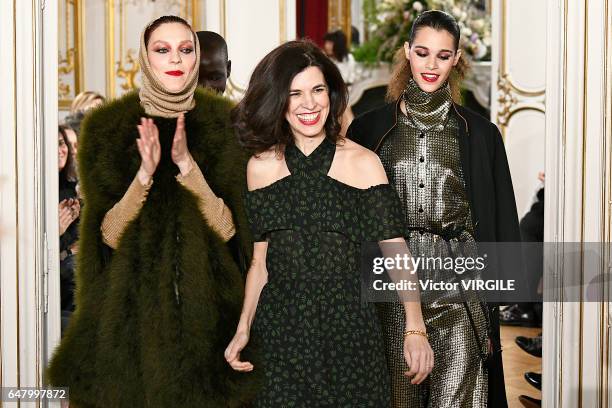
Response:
column 158, row 292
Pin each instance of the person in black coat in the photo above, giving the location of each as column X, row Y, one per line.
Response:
column 69, row 211
column 406, row 134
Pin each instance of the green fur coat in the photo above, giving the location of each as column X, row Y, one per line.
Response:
column 154, row 316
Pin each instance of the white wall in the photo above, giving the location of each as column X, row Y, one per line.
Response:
column 578, row 197
column 28, row 185
column 251, row 29
column 357, row 18
column 94, row 46
column 517, row 102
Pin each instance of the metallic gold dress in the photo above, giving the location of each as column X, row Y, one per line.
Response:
column 422, row 159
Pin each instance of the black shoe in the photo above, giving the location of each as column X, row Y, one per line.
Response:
column 515, row 316
column 534, row 379
column 529, row 402
column 532, row 345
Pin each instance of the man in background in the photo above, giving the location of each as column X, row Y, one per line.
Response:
column 215, row 67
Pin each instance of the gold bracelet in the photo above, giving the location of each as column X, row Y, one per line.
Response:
column 419, row 332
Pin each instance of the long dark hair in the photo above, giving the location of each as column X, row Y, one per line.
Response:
column 260, row 117
column 438, row 20
column 340, row 44
column 68, row 173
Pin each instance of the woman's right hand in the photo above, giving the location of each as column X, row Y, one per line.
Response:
column 65, row 217
column 232, row 352
column 67, row 214
column 149, row 149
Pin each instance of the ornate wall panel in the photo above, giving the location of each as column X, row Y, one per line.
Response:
column 525, row 150
column 517, row 103
column 70, row 57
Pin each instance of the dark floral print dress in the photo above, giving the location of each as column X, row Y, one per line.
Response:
column 322, row 344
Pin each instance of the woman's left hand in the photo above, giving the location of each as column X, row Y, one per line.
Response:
column 419, row 357
column 180, row 152
column 232, row 352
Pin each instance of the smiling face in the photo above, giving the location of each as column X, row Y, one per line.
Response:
column 171, row 54
column 73, row 140
column 432, row 57
column 308, row 103
column 62, row 152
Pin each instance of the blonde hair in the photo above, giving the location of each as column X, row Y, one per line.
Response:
column 401, row 74
column 85, row 100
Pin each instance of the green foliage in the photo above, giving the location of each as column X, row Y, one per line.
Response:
column 369, row 12
column 368, row 52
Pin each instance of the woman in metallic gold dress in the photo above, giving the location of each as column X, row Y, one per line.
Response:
column 449, row 167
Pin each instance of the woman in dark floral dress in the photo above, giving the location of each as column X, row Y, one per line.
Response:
column 313, row 199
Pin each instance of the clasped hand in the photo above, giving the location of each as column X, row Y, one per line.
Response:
column 69, row 210
column 150, row 149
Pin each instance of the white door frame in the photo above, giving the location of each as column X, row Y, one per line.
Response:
column 578, row 203
column 52, row 301
column 29, row 263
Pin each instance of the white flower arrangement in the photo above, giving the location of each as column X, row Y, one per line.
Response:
column 475, row 26
column 394, row 19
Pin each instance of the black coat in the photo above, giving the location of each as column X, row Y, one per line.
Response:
column 489, row 190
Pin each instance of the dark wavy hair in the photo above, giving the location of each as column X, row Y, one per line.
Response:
column 259, row 118
column 401, row 74
column 163, row 20
column 340, row 44
column 68, row 173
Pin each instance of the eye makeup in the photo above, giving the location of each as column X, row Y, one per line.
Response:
column 423, row 52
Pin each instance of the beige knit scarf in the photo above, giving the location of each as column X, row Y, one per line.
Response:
column 155, row 98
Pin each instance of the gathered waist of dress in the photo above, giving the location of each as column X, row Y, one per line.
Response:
column 452, row 233
column 438, row 252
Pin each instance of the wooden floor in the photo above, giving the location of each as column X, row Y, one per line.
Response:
column 517, row 363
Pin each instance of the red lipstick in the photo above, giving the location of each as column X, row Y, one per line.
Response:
column 430, row 77
column 309, row 119
column 175, row 73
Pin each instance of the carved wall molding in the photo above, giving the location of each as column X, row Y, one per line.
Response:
column 511, row 101
column 128, row 70
column 70, row 51
column 512, row 98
